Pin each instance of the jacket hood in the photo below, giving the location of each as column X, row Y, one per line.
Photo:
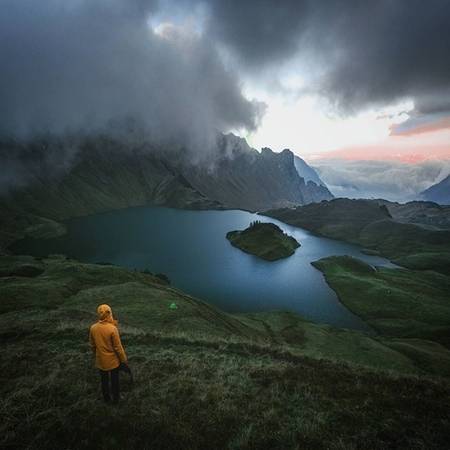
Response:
column 104, row 313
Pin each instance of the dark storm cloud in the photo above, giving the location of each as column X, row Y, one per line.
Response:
column 262, row 32
column 358, row 53
column 80, row 64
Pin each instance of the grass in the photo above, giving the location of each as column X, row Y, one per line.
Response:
column 189, row 396
column 396, row 302
column 409, row 245
column 204, row 379
column 369, row 224
column 18, row 225
column 301, row 337
column 265, row 240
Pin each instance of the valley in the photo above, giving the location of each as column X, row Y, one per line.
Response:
column 334, row 331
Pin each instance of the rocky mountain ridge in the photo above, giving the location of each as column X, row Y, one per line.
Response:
column 307, row 172
column 108, row 173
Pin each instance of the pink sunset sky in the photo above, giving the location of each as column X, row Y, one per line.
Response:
column 415, row 145
column 389, row 152
column 308, row 126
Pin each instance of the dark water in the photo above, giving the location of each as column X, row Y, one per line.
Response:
column 191, row 248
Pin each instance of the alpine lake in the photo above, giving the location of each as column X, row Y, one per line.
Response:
column 190, row 247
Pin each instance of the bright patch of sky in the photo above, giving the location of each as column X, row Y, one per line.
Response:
column 306, row 125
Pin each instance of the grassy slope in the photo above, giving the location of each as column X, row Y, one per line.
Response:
column 398, row 303
column 204, row 379
column 339, row 218
column 369, row 224
column 265, row 240
column 409, row 245
column 16, row 225
column 427, row 214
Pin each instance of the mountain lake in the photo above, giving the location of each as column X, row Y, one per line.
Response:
column 190, row 247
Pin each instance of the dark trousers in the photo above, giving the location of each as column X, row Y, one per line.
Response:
column 110, row 389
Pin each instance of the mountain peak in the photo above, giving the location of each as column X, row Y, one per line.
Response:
column 307, row 172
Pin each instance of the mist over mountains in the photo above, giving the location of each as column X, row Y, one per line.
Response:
column 88, row 67
column 146, row 72
column 106, row 173
column 84, row 67
column 391, row 180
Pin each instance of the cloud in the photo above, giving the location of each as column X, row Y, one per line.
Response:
column 260, row 32
column 357, row 54
column 41, row 158
column 91, row 64
column 427, row 124
column 380, row 179
column 82, row 64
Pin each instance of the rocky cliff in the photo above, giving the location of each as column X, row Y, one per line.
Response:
column 242, row 177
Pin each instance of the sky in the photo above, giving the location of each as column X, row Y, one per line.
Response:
column 342, row 83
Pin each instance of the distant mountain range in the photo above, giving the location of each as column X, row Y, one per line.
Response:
column 438, row 193
column 107, row 174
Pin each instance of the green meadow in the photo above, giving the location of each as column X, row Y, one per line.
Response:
column 204, row 378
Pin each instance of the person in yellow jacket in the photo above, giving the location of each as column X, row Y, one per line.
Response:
column 109, row 353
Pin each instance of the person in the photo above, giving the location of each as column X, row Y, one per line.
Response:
column 110, row 355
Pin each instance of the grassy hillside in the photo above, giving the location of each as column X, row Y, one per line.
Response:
column 339, row 218
column 369, row 224
column 265, row 240
column 108, row 173
column 16, row 225
column 204, row 378
column 396, row 302
column 427, row 214
column 409, row 245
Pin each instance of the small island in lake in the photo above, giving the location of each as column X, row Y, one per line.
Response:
column 265, row 240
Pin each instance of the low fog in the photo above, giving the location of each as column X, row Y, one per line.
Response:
column 390, row 180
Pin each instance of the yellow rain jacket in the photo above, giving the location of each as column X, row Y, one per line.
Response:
column 105, row 340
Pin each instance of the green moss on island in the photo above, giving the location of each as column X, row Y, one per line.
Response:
column 265, row 240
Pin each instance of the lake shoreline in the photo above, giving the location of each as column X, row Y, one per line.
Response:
column 191, row 249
